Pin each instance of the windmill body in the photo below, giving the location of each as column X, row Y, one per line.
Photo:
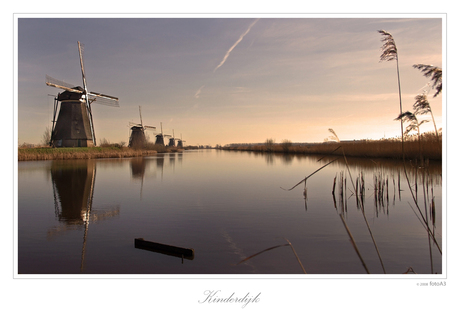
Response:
column 74, row 125
column 73, row 128
column 160, row 137
column 172, row 140
column 180, row 142
column 137, row 138
column 159, row 140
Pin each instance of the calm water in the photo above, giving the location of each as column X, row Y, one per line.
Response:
column 82, row 216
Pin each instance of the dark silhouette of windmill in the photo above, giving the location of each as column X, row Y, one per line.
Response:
column 180, row 142
column 160, row 137
column 172, row 140
column 74, row 126
column 137, row 138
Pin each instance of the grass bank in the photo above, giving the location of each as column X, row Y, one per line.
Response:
column 48, row 153
column 429, row 147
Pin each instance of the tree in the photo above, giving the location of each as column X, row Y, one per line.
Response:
column 46, row 138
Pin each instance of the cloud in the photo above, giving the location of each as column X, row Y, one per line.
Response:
column 234, row 45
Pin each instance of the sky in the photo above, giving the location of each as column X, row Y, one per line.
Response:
column 216, row 80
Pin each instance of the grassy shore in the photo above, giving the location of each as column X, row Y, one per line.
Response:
column 430, row 147
column 48, row 153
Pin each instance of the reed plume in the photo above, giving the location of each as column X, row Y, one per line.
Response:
column 435, row 73
column 389, row 50
column 414, row 124
column 335, row 137
column 422, row 106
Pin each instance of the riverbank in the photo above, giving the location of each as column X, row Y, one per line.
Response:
column 429, row 148
column 48, row 153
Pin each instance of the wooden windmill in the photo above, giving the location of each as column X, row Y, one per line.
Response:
column 137, row 138
column 160, row 137
column 180, row 142
column 74, row 126
column 172, row 140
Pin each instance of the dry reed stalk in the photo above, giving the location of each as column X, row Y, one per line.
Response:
column 410, row 270
column 363, row 212
column 389, row 52
column 305, row 191
column 306, row 178
column 354, row 243
column 365, row 218
column 387, row 192
column 357, row 196
column 274, row 247
column 333, row 185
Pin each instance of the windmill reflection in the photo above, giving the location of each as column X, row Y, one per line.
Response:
column 140, row 166
column 73, row 189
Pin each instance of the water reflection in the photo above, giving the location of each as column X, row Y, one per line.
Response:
column 73, row 191
column 141, row 165
column 229, row 206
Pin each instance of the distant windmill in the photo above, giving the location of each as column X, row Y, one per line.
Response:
column 180, row 142
column 160, row 137
column 137, row 138
column 172, row 140
column 74, row 126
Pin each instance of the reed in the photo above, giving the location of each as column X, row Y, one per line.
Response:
column 48, row 153
column 274, row 247
column 389, row 53
column 352, row 240
column 428, row 143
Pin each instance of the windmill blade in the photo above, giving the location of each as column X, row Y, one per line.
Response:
column 134, row 124
column 150, row 127
column 103, row 99
column 102, row 96
column 50, row 81
column 140, row 116
column 88, row 107
column 80, row 51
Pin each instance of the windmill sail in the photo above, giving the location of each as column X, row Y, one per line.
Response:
column 61, row 84
column 88, row 107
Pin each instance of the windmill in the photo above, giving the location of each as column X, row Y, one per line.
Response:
column 172, row 141
column 180, row 142
column 137, row 138
column 160, row 137
column 74, row 125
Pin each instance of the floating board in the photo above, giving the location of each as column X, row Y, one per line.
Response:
column 171, row 250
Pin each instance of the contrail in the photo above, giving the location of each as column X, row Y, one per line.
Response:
column 234, row 45
column 197, row 94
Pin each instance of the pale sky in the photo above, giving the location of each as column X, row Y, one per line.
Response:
column 230, row 80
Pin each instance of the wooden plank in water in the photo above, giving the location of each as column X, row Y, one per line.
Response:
column 171, row 250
